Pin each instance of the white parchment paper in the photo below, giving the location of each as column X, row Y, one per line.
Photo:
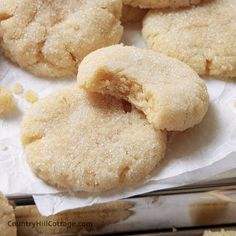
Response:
column 194, row 155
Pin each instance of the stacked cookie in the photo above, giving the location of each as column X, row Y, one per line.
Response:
column 111, row 132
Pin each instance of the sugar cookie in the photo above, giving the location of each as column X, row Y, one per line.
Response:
column 87, row 142
column 204, row 36
column 50, row 38
column 168, row 91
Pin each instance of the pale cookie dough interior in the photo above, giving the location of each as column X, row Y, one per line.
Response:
column 7, row 102
column 161, row 3
column 87, row 142
column 50, row 38
column 169, row 92
column 204, row 36
column 7, row 217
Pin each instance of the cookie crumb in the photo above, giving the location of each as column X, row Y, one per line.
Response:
column 30, row 96
column 7, row 103
column 18, row 89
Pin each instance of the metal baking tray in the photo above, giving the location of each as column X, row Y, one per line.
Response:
column 187, row 210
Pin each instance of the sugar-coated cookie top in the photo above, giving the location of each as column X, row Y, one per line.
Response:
column 202, row 36
column 161, row 3
column 50, row 38
column 88, row 142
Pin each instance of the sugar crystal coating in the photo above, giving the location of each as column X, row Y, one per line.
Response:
column 202, row 36
column 87, row 142
column 220, row 233
column 50, row 38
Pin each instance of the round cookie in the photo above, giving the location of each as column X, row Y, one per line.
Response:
column 169, row 92
column 87, row 142
column 7, row 218
column 50, row 38
column 132, row 14
column 202, row 36
column 161, row 3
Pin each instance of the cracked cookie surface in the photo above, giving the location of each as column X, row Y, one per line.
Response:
column 161, row 3
column 169, row 92
column 50, row 38
column 202, row 36
column 87, row 142
column 7, row 8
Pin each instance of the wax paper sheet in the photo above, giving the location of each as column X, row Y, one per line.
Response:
column 194, row 155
